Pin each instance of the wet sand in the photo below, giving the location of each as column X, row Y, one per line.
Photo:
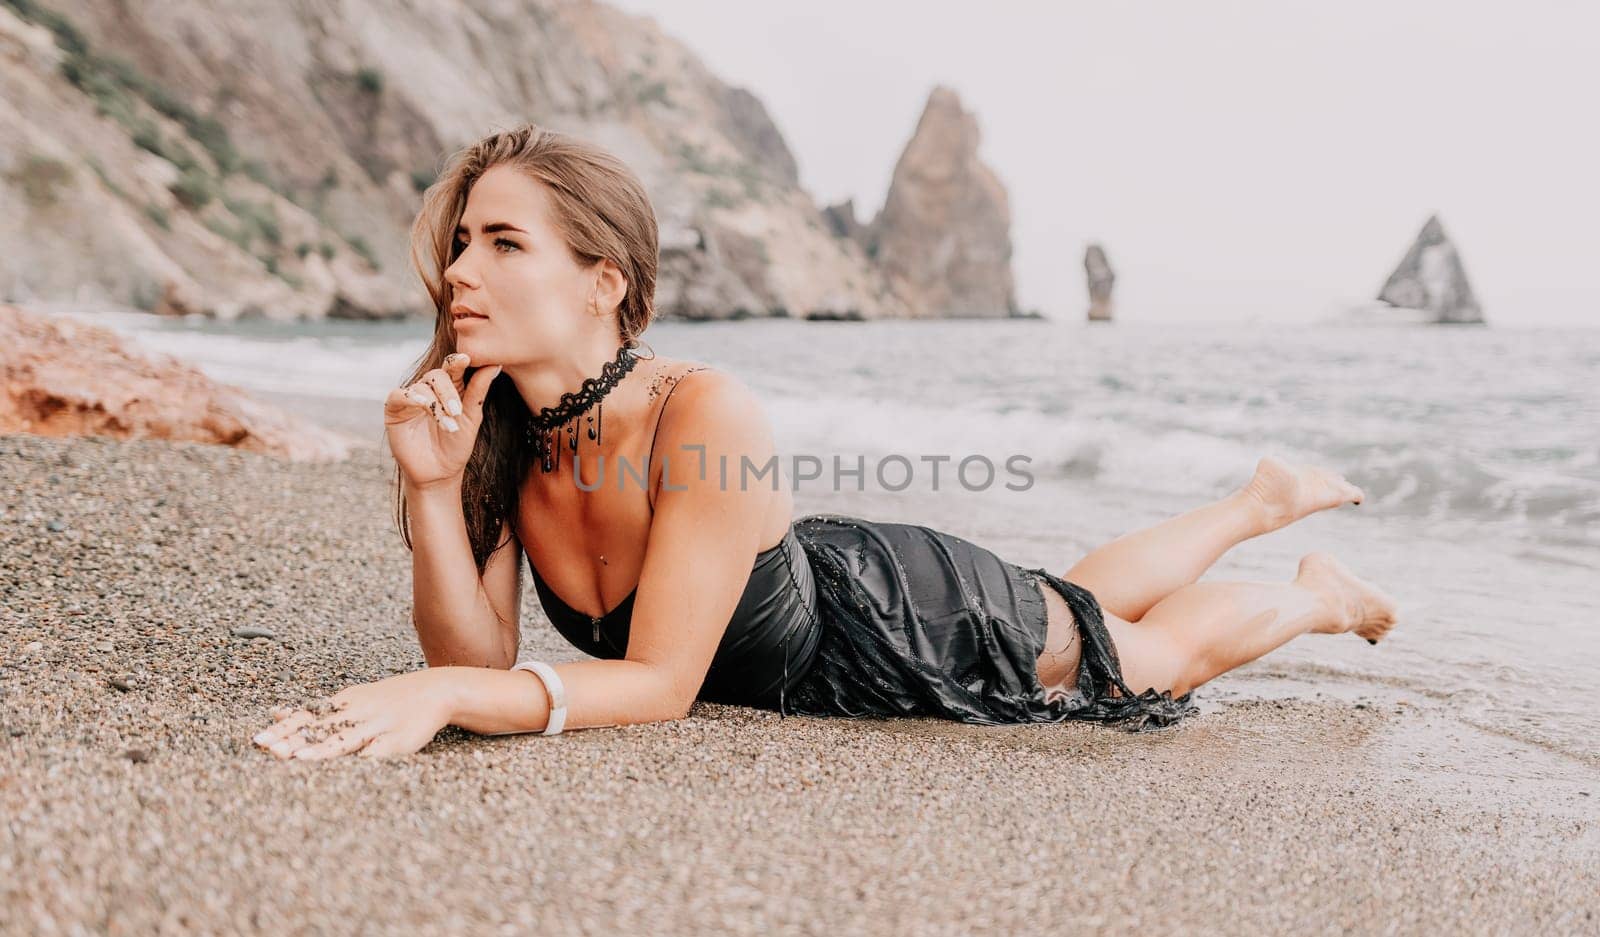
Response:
column 135, row 803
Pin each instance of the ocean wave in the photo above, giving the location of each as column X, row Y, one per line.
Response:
column 1195, row 433
column 1411, row 480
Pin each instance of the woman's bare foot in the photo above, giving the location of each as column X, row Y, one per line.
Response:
column 1282, row 493
column 1357, row 605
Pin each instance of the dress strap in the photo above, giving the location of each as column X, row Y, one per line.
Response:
column 650, row 457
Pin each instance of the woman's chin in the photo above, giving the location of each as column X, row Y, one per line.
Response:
column 466, row 346
column 482, row 353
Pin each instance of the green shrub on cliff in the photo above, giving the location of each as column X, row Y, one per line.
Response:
column 40, row 178
column 194, row 189
column 113, row 83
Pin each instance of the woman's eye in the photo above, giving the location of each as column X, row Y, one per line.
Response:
column 505, row 243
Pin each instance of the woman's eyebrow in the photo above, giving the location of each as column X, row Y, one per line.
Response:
column 491, row 228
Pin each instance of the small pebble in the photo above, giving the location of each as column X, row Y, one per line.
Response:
column 55, row 526
column 250, row 631
column 137, row 755
column 121, row 683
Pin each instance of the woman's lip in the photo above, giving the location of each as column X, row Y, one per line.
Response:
column 461, row 319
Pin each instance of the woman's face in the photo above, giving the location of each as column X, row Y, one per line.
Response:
column 514, row 269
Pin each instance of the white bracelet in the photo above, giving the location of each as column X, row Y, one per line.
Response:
column 553, row 686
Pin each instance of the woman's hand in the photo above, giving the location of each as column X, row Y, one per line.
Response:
column 433, row 424
column 394, row 716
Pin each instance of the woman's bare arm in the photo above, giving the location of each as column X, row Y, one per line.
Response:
column 461, row 618
column 703, row 542
column 600, row 694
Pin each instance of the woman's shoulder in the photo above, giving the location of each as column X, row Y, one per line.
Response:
column 698, row 379
column 663, row 373
column 702, row 394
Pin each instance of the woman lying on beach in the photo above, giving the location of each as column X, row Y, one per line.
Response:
column 539, row 251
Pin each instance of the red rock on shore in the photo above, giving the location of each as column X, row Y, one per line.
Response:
column 64, row 377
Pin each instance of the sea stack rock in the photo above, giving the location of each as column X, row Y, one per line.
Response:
column 943, row 237
column 1432, row 279
column 1101, row 279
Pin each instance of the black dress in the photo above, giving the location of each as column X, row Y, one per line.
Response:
column 853, row 617
column 916, row 621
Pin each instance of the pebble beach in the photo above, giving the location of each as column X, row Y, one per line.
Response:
column 157, row 599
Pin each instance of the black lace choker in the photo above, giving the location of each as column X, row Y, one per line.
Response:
column 543, row 426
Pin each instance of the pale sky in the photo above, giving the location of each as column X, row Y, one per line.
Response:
column 1237, row 160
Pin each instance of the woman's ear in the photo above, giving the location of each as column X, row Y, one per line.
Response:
column 612, row 287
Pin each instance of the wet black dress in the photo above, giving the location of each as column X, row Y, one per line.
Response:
column 853, row 617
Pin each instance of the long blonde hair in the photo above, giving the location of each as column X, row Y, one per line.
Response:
column 604, row 212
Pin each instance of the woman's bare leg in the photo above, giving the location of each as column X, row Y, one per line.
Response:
column 1131, row 574
column 1207, row 629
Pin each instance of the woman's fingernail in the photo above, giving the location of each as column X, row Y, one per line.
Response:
column 417, row 400
column 453, row 407
column 261, row 738
column 450, row 424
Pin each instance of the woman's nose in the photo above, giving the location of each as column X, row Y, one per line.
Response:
column 459, row 274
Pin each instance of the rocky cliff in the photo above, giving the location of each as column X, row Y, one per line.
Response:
column 1432, row 279
column 230, row 159
column 943, row 236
